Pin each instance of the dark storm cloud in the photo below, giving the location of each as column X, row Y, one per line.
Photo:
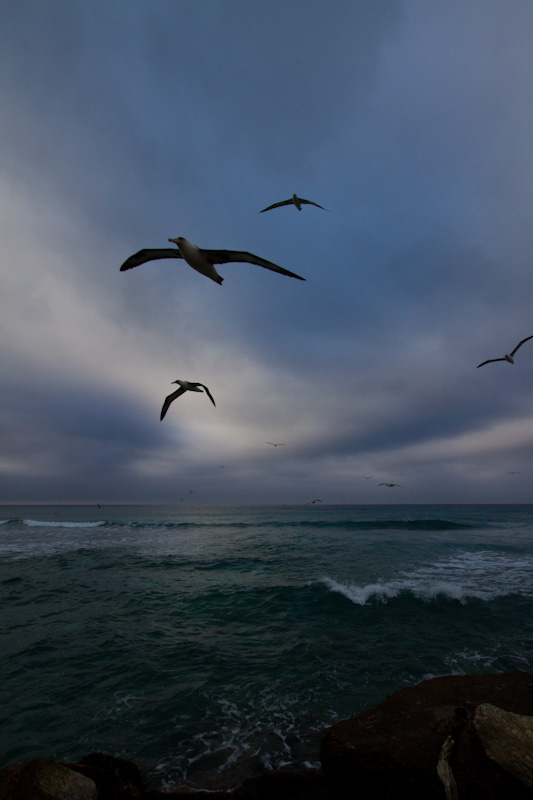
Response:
column 68, row 419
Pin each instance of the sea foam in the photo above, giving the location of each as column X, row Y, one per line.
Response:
column 34, row 523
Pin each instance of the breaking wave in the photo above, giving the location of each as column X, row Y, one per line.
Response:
column 469, row 576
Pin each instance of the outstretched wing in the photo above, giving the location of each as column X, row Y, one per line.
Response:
column 169, row 399
column 490, row 361
column 149, row 255
column 277, row 205
column 310, row 203
column 208, row 393
column 521, row 343
column 226, row 256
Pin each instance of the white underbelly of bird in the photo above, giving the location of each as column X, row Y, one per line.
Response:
column 195, row 259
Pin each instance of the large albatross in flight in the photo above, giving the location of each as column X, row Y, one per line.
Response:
column 293, row 201
column 185, row 386
column 201, row 260
column 510, row 357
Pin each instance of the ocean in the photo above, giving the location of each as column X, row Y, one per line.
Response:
column 210, row 643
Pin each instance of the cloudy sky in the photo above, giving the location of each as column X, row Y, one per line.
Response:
column 126, row 122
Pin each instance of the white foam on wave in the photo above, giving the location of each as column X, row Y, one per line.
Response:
column 360, row 595
column 468, row 576
column 35, row 523
column 3, row 521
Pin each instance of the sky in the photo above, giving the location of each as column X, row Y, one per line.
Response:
column 129, row 122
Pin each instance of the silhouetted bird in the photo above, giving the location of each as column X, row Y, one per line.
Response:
column 185, row 386
column 201, row 260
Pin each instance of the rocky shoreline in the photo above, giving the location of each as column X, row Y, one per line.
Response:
column 458, row 737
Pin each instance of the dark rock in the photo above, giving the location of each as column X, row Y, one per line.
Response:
column 185, row 795
column 37, row 779
column 393, row 749
column 124, row 780
column 284, row 784
column 106, row 783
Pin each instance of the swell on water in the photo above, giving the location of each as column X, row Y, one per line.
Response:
column 348, row 524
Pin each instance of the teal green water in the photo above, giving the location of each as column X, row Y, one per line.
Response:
column 205, row 642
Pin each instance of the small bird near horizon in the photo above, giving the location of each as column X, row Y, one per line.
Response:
column 201, row 260
column 294, row 201
column 390, row 485
column 276, row 444
column 509, row 357
column 185, row 386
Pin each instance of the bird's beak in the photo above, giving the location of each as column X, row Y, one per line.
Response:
column 173, row 240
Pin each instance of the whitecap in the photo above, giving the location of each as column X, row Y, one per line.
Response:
column 35, row 523
column 360, row 595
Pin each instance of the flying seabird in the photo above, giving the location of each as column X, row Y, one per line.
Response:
column 276, row 444
column 390, row 485
column 184, row 387
column 294, row 201
column 201, row 260
column 510, row 357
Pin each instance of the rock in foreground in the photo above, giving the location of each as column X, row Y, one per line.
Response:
column 37, row 779
column 393, row 750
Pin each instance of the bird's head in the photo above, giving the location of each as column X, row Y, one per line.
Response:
column 177, row 240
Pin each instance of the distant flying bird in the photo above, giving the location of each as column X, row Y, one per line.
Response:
column 201, row 260
column 294, row 201
column 390, row 485
column 276, row 444
column 512, row 473
column 314, row 501
column 185, row 386
column 510, row 357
